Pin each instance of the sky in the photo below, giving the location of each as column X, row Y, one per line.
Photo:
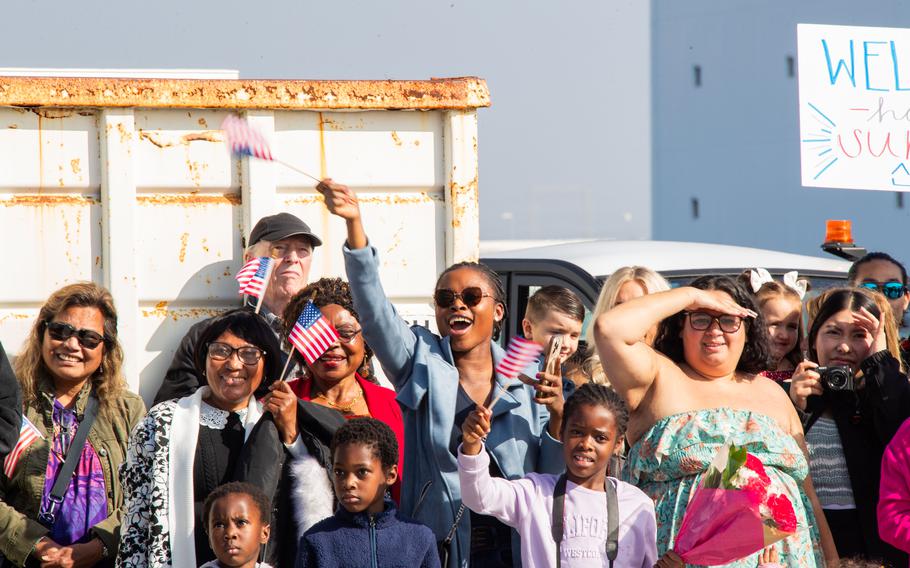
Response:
column 542, row 143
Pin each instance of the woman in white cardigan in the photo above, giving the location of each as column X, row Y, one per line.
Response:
column 185, row 448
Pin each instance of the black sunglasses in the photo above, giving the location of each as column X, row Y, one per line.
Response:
column 891, row 290
column 247, row 354
column 701, row 321
column 471, row 296
column 60, row 331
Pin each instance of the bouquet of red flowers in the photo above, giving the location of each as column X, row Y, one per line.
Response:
column 735, row 511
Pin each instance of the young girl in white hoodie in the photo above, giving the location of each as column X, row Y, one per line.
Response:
column 594, row 419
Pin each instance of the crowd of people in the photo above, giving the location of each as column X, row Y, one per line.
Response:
column 254, row 456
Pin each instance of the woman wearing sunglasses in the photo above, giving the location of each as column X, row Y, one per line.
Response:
column 69, row 370
column 697, row 388
column 187, row 447
column 440, row 379
column 851, row 411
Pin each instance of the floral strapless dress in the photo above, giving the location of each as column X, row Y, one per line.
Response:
column 667, row 463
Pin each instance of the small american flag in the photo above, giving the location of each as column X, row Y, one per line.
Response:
column 312, row 334
column 520, row 354
column 28, row 433
column 254, row 275
column 244, row 140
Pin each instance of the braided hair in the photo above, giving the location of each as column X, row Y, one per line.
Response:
column 593, row 394
column 374, row 434
column 493, row 279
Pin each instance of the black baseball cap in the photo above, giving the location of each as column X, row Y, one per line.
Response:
column 281, row 226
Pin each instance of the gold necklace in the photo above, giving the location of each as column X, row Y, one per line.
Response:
column 341, row 407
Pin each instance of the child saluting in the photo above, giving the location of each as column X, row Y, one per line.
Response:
column 594, row 419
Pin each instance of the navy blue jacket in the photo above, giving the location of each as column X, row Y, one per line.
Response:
column 363, row 540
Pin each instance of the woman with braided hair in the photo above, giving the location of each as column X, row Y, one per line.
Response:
column 440, row 379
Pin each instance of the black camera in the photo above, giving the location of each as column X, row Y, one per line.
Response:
column 837, row 377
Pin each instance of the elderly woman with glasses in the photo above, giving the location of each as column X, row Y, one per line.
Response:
column 70, row 374
column 697, row 388
column 185, row 448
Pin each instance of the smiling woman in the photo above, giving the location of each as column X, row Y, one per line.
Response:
column 439, row 380
column 697, row 389
column 186, row 448
column 71, row 364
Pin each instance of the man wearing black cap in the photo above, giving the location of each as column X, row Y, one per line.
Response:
column 288, row 239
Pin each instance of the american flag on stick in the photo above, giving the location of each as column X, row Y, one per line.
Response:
column 244, row 140
column 312, row 335
column 254, row 276
column 520, row 353
column 28, row 433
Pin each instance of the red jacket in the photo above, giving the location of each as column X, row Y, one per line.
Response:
column 383, row 406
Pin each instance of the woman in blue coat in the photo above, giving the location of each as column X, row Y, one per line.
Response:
column 439, row 380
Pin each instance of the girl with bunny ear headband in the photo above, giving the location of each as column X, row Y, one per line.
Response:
column 781, row 306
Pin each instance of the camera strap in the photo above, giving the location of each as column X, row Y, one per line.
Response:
column 65, row 474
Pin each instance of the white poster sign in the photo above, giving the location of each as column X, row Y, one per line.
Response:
column 854, row 107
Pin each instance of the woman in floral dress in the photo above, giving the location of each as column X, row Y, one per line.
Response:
column 696, row 389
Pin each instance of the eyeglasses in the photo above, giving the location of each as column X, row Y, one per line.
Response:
column 891, row 290
column 471, row 296
column 347, row 335
column 60, row 331
column 247, row 354
column 701, row 321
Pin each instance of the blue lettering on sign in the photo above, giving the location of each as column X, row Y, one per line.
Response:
column 875, row 75
column 833, row 73
column 900, row 167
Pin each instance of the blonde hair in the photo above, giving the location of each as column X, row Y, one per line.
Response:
column 775, row 289
column 648, row 279
column 107, row 381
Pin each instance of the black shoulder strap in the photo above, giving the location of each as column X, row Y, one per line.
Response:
column 559, row 509
column 69, row 463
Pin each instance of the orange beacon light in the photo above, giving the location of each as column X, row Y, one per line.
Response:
column 839, row 240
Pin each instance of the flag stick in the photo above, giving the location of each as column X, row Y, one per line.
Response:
column 298, row 170
column 501, row 392
column 287, row 364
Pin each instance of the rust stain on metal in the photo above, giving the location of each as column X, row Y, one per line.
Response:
column 384, row 199
column 184, row 238
column 396, row 139
column 52, row 113
column 161, row 311
column 189, row 199
column 69, row 92
column 464, row 200
column 13, row 126
column 206, row 136
column 74, row 164
column 46, row 200
column 202, row 123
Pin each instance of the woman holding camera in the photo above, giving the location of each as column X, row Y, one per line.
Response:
column 852, row 397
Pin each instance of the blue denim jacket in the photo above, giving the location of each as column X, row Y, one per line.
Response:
column 420, row 365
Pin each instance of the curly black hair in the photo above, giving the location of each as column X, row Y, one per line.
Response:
column 493, row 279
column 869, row 257
column 756, row 356
column 375, row 434
column 323, row 292
column 592, row 394
column 256, row 495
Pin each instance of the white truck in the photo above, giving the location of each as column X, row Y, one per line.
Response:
column 127, row 182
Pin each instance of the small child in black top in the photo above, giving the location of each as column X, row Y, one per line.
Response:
column 366, row 529
column 236, row 517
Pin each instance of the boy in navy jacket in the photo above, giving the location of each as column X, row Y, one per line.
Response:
column 367, row 529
